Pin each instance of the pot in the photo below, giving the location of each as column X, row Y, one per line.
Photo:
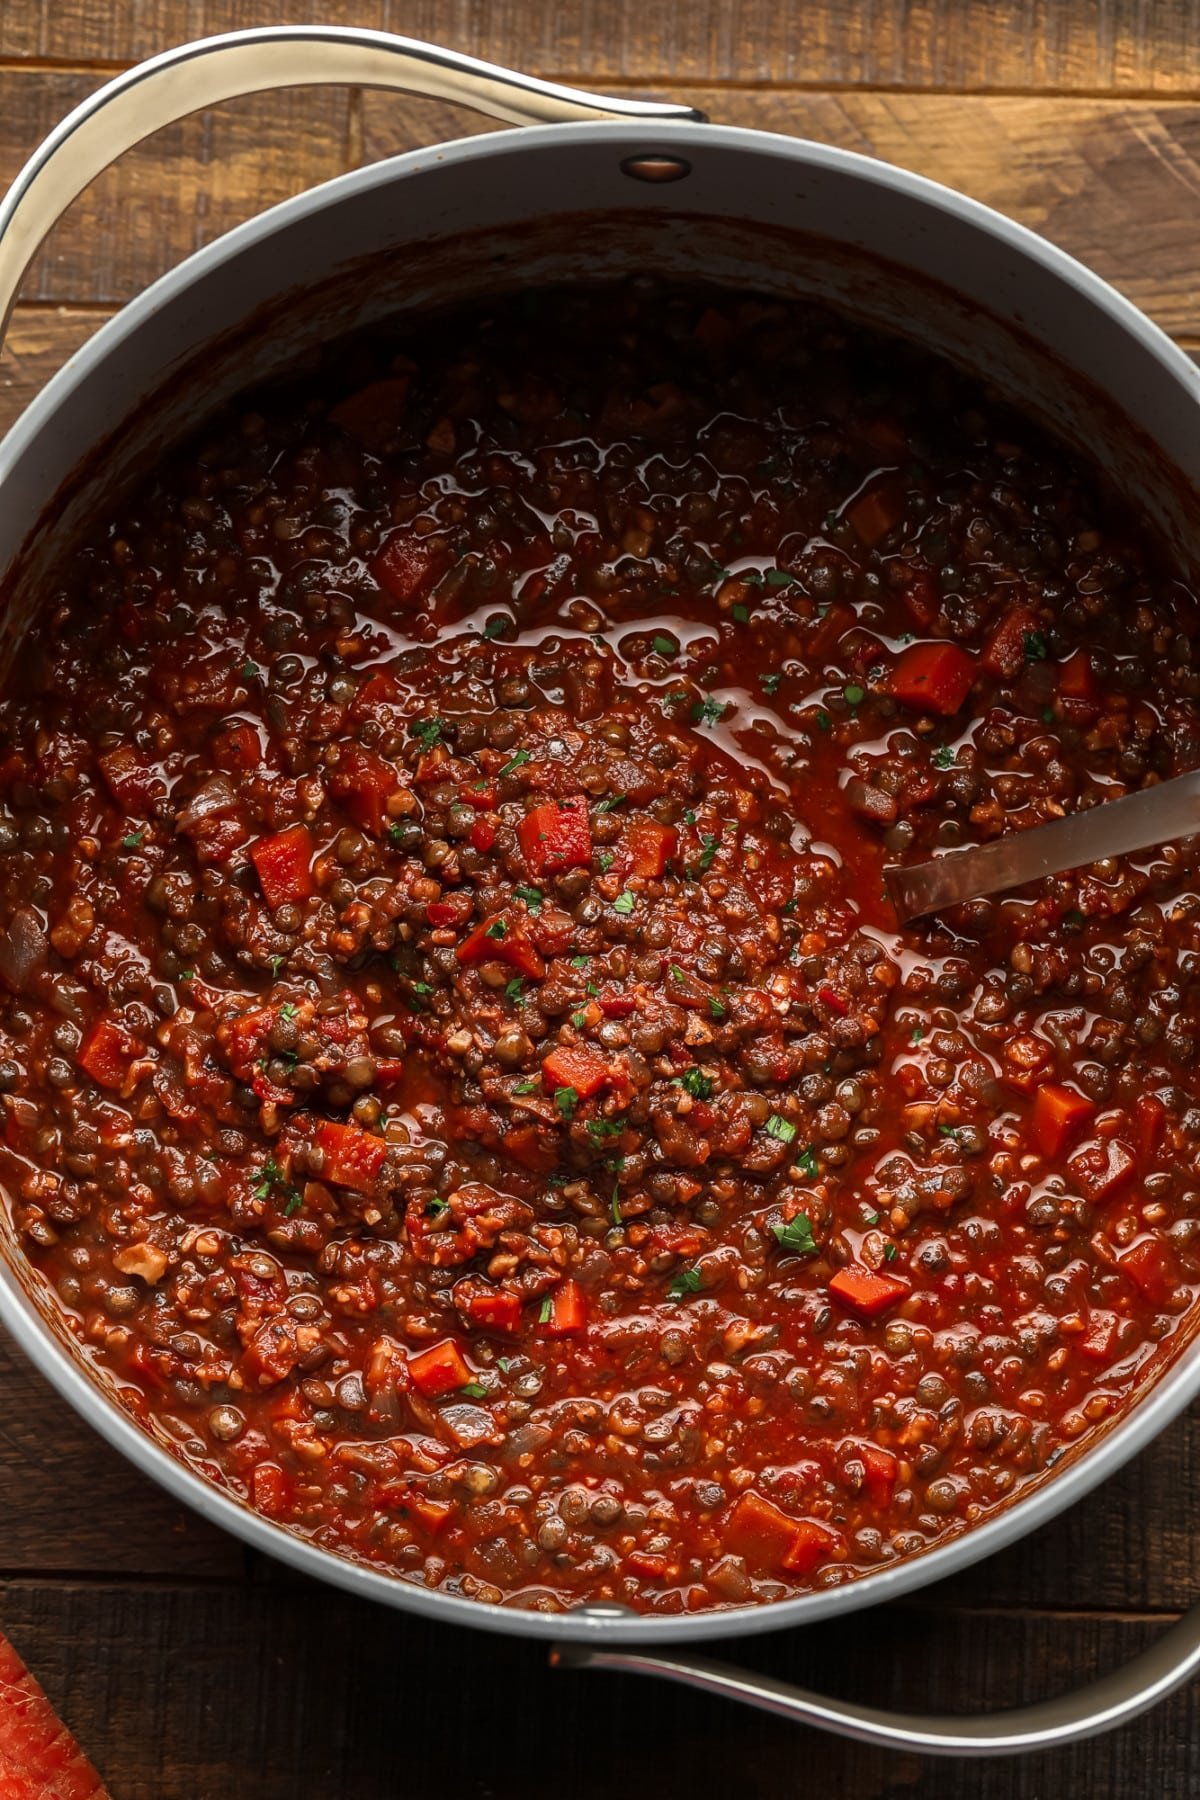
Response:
column 593, row 187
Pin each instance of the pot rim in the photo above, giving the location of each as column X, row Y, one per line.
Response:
column 1165, row 1396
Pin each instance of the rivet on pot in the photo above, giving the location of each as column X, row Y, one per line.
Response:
column 656, row 167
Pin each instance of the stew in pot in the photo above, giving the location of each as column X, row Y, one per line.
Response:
column 461, row 1076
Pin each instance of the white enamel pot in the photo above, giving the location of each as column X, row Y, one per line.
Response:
column 591, row 187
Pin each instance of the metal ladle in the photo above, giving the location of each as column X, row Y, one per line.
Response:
column 1141, row 821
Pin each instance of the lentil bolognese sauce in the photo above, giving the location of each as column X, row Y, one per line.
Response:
column 462, row 1079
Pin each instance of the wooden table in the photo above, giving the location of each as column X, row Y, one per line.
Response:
column 192, row 1669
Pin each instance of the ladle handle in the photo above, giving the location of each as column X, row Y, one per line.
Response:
column 187, row 79
column 1086, row 1712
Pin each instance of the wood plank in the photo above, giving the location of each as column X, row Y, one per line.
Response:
column 1115, row 183
column 1043, row 45
column 191, row 1694
column 72, row 1504
column 170, row 196
column 39, row 341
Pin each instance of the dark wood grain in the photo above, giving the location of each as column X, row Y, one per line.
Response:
column 1046, row 45
column 192, row 1669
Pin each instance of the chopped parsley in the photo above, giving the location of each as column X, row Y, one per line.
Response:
column 273, row 1183
column 796, row 1235
column 823, row 720
column 708, row 711
column 918, row 1032
column 695, row 1082
column 545, row 1310
column 686, row 1282
column 853, row 694
column 770, row 683
column 436, row 1207
column 277, row 963
column 251, row 671
column 496, row 625
column 187, row 975
column 741, row 614
column 525, row 1087
column 717, row 1008
column 516, row 762
column 779, row 1127
column 1036, row 647
column 293, row 1204
column 426, row 731
column 566, row 1099
column 579, row 1020
column 664, row 646
column 606, row 860
column 611, row 804
column 287, row 1011
column 943, row 757
column 497, row 929
column 474, row 1390
column 890, row 1252
column 616, row 1205
column 779, row 578
column 133, row 841
column 604, row 1128
column 806, row 1162
column 579, row 962
column 948, row 1131
column 514, row 989
column 624, row 903
column 531, row 896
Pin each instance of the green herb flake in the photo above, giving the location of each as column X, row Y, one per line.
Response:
column 474, row 1390
column 497, row 929
column 778, row 578
column 823, row 720
column 133, row 841
column 545, row 1310
column 677, row 973
column 853, row 694
column 717, row 1008
column 532, row 897
column 426, row 731
column 287, row 1011
column 890, row 1252
column 566, row 1099
column 187, row 975
column 496, row 626
column 504, row 1364
column 708, row 711
column 436, row 1207
column 250, row 671
column 294, row 1203
column 615, row 1206
column 611, row 804
column 943, row 757
column 807, row 1163
column 606, row 859
column 605, row 1128
column 779, row 1127
column 686, row 1282
column 277, row 963
column 579, row 1020
column 948, row 1131
column 516, row 762
column 1047, row 715
column 741, row 614
column 796, row 1236
column 664, row 646
column 525, row 1087
column 918, row 1032
column 1036, row 647
column 770, row 683
column 708, row 841
column 514, row 989
column 579, row 962
column 695, row 1082
column 624, row 904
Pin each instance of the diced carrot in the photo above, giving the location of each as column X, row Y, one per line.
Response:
column 650, row 847
column 568, row 1310
column 372, row 412
column 866, row 1291
column 364, row 783
column 405, row 567
column 283, row 864
column 353, row 1158
column 107, row 1053
column 1152, row 1268
column 270, row 1490
column 881, row 1470
column 134, row 784
column 615, row 1003
column 812, row 1545
column 479, row 794
column 499, row 940
column 1059, row 1116
column 878, row 510
column 759, row 1530
column 496, row 1310
column 557, row 836
column 439, row 1370
column 1004, row 653
column 237, row 748
column 1150, row 1116
column 933, row 677
column 648, row 1564
column 1102, row 1168
column 1099, row 1341
column 583, row 1070
column 1077, row 677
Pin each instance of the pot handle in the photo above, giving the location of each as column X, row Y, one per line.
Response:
column 1101, row 1706
column 198, row 75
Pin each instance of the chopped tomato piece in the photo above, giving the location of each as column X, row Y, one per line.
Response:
column 812, row 1545
column 650, row 847
column 107, row 1053
column 933, row 678
column 364, row 783
column 439, row 1370
column 1077, row 677
column 878, row 510
column 454, row 910
column 1102, row 1168
column 582, row 1070
column 1059, row 1117
column 1151, row 1266
column 1099, row 1340
column 482, row 836
column 497, row 1310
column 270, row 1490
column 353, row 1158
column 881, row 1470
column 237, row 748
column 479, row 794
column 405, row 567
column 648, row 1564
column 557, row 836
column 1004, row 653
column 759, row 1530
column 616, row 1004
column 1151, row 1116
column 498, row 940
column 133, row 782
column 283, row 864
column 568, row 1310
column 866, row 1291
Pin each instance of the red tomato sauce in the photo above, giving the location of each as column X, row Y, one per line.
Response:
column 461, row 1076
